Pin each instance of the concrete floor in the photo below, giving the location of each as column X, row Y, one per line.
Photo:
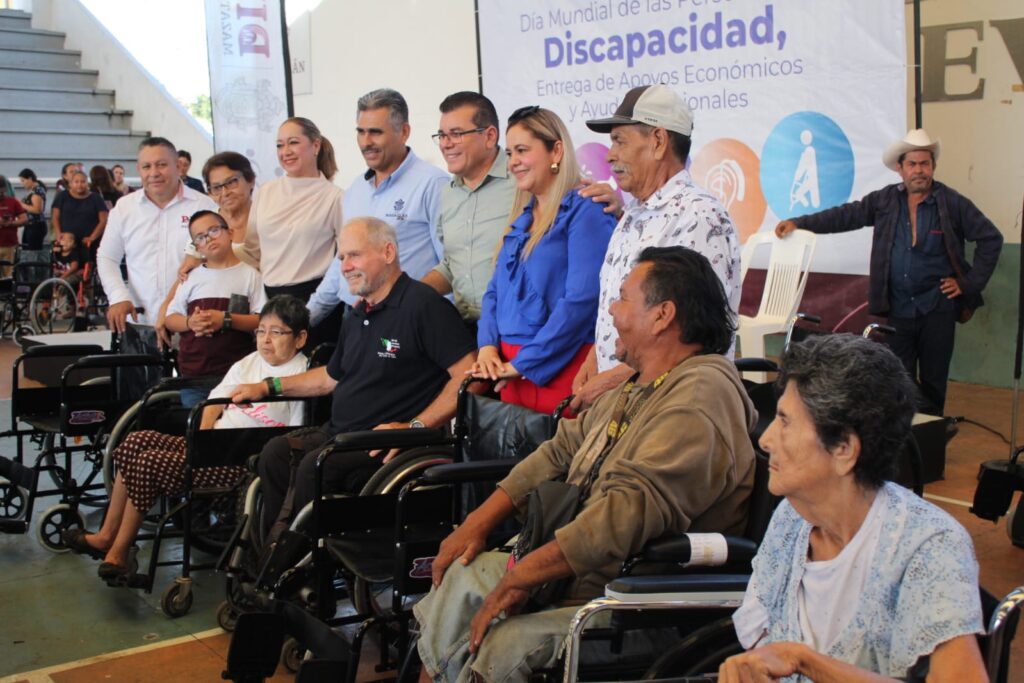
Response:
column 58, row 622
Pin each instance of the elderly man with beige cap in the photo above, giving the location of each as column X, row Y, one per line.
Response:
column 650, row 142
column 920, row 277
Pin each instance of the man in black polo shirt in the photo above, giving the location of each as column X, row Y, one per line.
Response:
column 402, row 354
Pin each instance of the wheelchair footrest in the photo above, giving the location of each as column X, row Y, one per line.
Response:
column 13, row 526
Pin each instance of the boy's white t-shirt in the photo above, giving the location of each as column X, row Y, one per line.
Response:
column 251, row 369
column 220, row 283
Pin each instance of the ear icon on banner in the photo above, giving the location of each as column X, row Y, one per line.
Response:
column 731, row 171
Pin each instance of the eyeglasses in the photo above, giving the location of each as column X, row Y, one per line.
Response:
column 522, row 113
column 455, row 136
column 204, row 237
column 226, row 185
column 274, row 332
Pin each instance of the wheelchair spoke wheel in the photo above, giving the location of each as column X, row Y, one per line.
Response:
column 53, row 307
column 55, row 520
column 376, row 598
column 13, row 500
column 700, row 652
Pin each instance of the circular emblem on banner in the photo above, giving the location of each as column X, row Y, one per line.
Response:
column 806, row 165
column 593, row 160
column 732, row 172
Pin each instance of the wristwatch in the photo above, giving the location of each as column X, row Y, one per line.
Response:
column 416, row 423
column 226, row 325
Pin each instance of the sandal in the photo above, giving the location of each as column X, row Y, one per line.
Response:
column 74, row 540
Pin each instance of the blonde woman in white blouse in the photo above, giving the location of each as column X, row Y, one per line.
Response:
column 295, row 219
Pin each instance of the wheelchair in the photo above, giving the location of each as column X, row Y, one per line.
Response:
column 207, row 519
column 58, row 306
column 72, row 413
column 379, row 545
column 29, row 270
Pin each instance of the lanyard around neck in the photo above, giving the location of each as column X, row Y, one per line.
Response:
column 621, row 419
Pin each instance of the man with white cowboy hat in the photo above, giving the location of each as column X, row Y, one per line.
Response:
column 920, row 277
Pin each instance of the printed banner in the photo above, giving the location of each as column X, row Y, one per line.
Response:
column 794, row 102
column 248, row 84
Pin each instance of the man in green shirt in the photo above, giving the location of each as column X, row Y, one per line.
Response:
column 475, row 204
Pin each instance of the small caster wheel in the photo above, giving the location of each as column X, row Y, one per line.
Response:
column 292, row 654
column 174, row 602
column 21, row 332
column 13, row 500
column 227, row 616
column 55, row 520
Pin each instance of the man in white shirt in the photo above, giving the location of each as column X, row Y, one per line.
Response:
column 650, row 142
column 149, row 230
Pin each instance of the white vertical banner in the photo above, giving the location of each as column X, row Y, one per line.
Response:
column 248, row 79
column 794, row 101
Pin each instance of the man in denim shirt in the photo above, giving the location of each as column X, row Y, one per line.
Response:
column 920, row 277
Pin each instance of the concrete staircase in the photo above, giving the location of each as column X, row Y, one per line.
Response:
column 51, row 111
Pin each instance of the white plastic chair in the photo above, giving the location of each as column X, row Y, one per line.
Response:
column 788, row 266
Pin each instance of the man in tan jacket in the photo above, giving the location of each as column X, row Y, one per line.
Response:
column 674, row 455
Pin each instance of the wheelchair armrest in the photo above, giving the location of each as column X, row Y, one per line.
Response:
column 392, row 438
column 466, row 472
column 62, row 350
column 678, row 588
column 112, row 361
column 117, row 360
column 195, row 415
column 179, row 383
column 706, row 550
column 756, row 365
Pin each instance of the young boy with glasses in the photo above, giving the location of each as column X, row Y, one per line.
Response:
column 215, row 309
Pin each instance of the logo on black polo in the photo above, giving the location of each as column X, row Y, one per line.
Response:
column 391, row 347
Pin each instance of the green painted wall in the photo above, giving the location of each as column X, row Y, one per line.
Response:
column 985, row 345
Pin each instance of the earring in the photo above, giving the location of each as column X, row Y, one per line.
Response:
column 555, row 168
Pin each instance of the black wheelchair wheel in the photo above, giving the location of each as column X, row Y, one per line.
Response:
column 375, row 598
column 13, row 500
column 174, row 603
column 701, row 652
column 22, row 331
column 55, row 520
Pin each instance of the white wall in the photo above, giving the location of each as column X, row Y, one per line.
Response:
column 425, row 49
column 154, row 109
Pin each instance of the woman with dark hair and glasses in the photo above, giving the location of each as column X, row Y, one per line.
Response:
column 230, row 182
column 151, row 464
column 537, row 319
column 857, row 578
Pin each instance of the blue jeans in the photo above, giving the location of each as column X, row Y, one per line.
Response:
column 191, row 396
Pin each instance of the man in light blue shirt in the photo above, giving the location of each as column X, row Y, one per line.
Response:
column 398, row 187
